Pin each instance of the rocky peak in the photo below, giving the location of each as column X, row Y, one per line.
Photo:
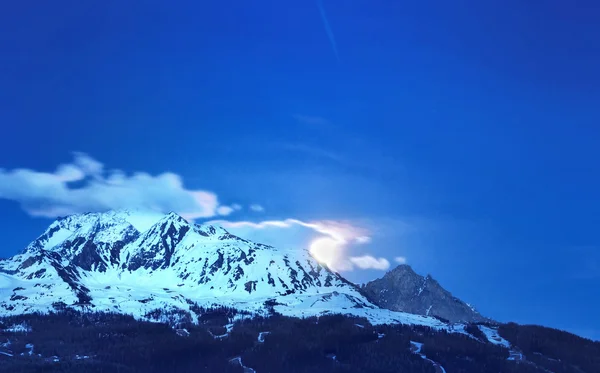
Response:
column 174, row 217
column 401, row 272
column 402, row 289
column 155, row 247
column 211, row 231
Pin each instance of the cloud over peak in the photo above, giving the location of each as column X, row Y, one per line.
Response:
column 400, row 259
column 328, row 241
column 84, row 185
column 368, row 261
column 52, row 194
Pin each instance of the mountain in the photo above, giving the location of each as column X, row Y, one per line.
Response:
column 202, row 287
column 401, row 289
column 140, row 264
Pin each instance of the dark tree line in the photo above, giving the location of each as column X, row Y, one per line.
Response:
column 556, row 350
column 119, row 343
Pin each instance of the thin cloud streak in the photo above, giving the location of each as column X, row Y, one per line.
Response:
column 328, row 29
column 313, row 121
column 314, row 152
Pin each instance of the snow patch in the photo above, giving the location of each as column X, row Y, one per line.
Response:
column 416, row 348
column 261, row 336
column 493, row 336
column 228, row 329
column 238, row 361
column 18, row 328
column 515, row 355
column 29, row 346
column 422, row 286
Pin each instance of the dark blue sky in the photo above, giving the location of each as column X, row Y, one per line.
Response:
column 465, row 135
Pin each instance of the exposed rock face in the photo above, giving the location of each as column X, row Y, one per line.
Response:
column 401, row 289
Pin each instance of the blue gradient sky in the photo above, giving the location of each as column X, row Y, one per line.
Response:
column 463, row 136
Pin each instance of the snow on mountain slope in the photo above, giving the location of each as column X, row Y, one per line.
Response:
column 137, row 263
column 493, row 336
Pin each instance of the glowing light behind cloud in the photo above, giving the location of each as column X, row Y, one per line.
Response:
column 329, row 246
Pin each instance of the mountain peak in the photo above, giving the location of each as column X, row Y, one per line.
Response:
column 402, row 289
column 209, row 230
column 172, row 218
column 172, row 215
column 402, row 269
column 142, row 220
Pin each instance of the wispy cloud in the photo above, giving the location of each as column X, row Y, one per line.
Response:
column 400, row 259
column 257, row 208
column 221, row 210
column 363, row 239
column 328, row 29
column 312, row 120
column 370, row 262
column 338, row 143
column 52, row 194
column 328, row 241
column 313, row 151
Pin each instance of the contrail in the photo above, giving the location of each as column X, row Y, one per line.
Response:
column 328, row 29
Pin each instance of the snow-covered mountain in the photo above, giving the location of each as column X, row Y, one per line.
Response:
column 137, row 263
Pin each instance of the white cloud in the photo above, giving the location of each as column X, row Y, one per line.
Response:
column 50, row 194
column 363, row 239
column 257, row 208
column 88, row 165
column 328, row 241
column 224, row 210
column 400, row 260
column 368, row 261
column 69, row 173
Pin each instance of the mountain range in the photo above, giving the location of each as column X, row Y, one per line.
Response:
column 96, row 279
column 136, row 263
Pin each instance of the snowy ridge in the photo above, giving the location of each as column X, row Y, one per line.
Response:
column 136, row 263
